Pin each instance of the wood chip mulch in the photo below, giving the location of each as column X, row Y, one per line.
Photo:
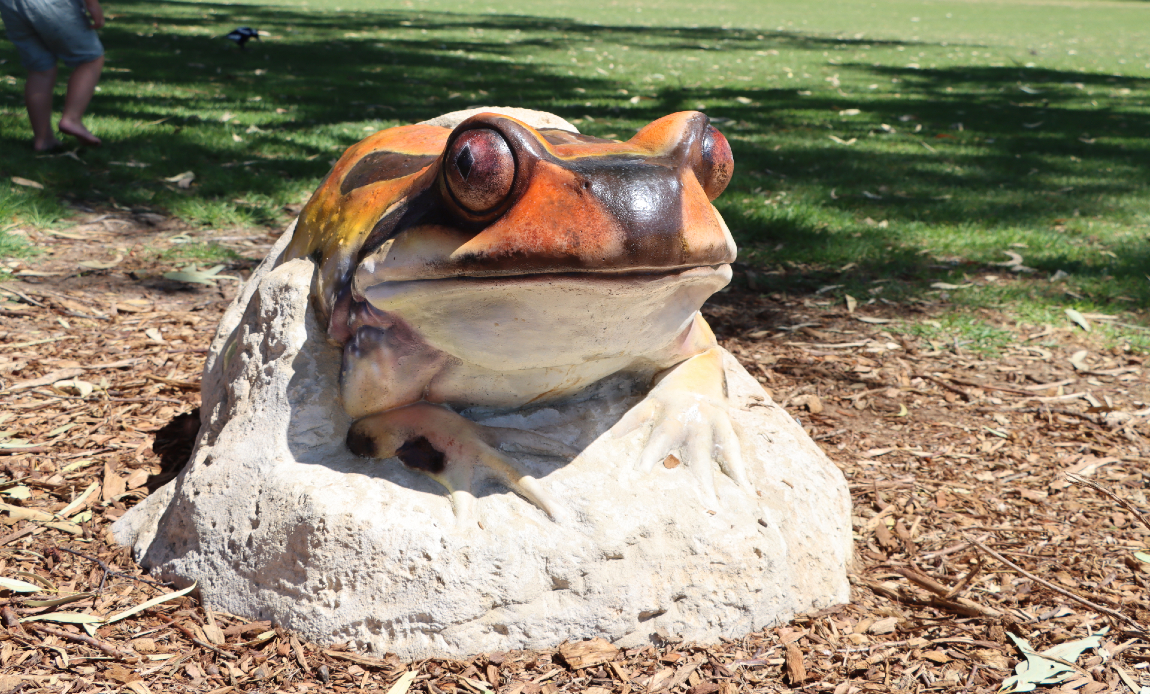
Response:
column 994, row 495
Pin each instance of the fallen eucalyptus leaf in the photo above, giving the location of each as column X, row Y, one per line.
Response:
column 1078, row 318
column 79, row 502
column 1078, row 360
column 26, row 183
column 74, row 386
column 60, row 601
column 193, row 275
column 60, row 429
column 152, row 603
column 183, row 180
column 1045, row 667
column 97, row 265
column 75, row 466
column 18, row 586
column 44, row 583
column 65, row 617
column 16, row 444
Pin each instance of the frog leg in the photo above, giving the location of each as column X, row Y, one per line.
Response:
column 687, row 410
column 456, row 452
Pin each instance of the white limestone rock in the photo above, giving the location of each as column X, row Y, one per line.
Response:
column 277, row 520
column 536, row 119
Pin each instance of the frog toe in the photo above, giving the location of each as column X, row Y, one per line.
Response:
column 700, row 431
column 457, row 453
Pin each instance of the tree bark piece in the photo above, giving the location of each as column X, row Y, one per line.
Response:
column 796, row 669
column 588, row 653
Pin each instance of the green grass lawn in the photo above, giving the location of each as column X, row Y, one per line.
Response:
column 883, row 147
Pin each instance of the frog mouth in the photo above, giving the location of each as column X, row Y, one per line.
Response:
column 384, row 293
column 545, row 320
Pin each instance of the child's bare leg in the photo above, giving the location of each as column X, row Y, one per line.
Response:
column 81, row 86
column 38, row 101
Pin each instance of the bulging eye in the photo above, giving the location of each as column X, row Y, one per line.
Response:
column 716, row 165
column 479, row 170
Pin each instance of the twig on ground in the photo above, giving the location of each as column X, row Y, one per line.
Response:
column 922, row 580
column 105, row 648
column 11, row 621
column 18, row 451
column 962, row 606
column 191, row 635
column 1125, row 504
column 1061, row 591
column 23, row 296
column 945, row 593
column 829, row 435
column 109, row 571
column 965, row 580
column 1057, row 410
column 947, row 385
column 988, row 386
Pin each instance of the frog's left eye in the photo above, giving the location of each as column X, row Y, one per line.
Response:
column 479, row 170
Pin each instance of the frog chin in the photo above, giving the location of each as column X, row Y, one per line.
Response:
column 540, row 321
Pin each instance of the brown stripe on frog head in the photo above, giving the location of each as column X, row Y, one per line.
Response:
column 338, row 218
column 383, row 166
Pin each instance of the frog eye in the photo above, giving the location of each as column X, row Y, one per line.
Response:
column 479, row 169
column 716, row 165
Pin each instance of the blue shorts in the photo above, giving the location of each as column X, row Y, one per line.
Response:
column 45, row 31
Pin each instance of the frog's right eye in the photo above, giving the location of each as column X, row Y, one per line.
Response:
column 479, row 170
column 716, row 165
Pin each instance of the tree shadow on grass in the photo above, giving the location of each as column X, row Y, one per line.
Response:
column 997, row 148
column 969, row 150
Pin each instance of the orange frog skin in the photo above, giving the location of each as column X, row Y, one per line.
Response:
column 498, row 265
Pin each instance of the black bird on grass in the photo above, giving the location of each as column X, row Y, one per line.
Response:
column 242, row 35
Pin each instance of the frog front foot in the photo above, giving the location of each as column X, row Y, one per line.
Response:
column 687, row 412
column 457, row 453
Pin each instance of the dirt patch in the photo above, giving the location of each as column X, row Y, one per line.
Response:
column 957, row 463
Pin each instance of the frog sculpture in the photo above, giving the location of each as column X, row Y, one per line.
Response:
column 497, row 265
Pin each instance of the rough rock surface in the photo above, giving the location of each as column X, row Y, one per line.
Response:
column 277, row 520
column 536, row 119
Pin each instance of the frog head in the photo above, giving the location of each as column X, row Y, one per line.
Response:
column 494, row 200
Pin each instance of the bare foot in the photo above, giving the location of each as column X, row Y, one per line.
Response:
column 47, row 145
column 78, row 131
